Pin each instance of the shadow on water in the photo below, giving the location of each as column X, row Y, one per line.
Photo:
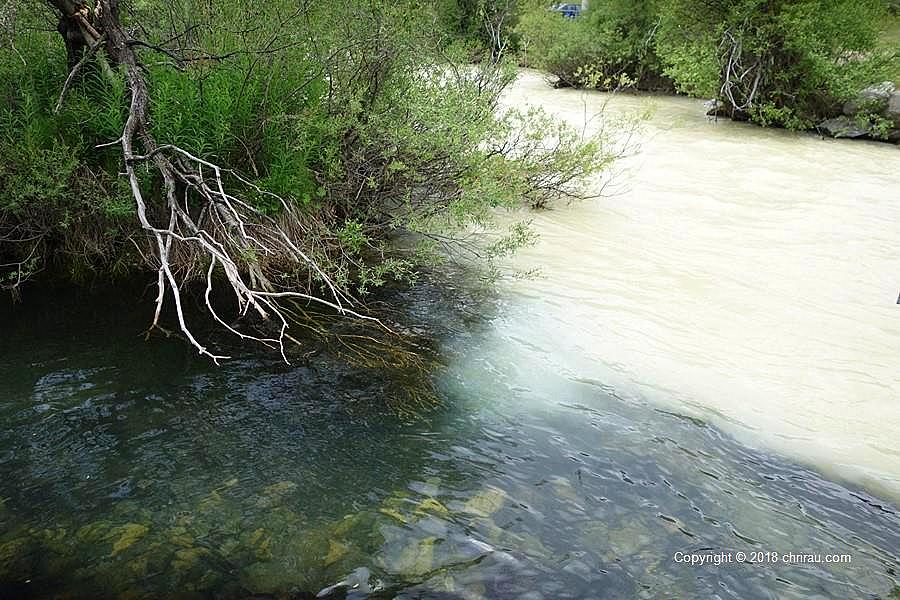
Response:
column 134, row 469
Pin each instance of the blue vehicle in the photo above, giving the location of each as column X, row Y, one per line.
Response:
column 569, row 11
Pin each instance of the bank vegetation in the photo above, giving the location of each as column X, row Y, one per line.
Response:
column 784, row 63
column 272, row 153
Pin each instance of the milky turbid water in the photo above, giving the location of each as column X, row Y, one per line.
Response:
column 742, row 275
column 704, row 371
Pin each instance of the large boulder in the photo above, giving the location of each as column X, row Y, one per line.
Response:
column 874, row 99
column 892, row 111
column 842, row 127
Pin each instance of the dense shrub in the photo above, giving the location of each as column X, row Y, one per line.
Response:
column 785, row 62
column 563, row 47
column 337, row 127
column 612, row 43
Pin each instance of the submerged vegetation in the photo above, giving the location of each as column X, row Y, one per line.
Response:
column 272, row 150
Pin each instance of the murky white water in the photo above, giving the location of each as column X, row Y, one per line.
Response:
column 748, row 277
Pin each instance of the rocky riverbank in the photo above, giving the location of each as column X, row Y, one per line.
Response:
column 873, row 114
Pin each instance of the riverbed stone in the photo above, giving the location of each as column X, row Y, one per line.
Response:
column 126, row 536
column 275, row 494
column 260, row 542
column 431, row 506
column 53, row 540
column 16, row 558
column 415, row 560
column 210, row 503
column 140, row 566
column 564, row 490
column 93, row 532
column 486, row 502
column 264, row 578
column 336, row 551
column 394, row 514
column 874, row 99
column 188, row 558
column 842, row 127
column 179, row 536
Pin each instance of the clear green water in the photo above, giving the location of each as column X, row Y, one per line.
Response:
column 133, row 469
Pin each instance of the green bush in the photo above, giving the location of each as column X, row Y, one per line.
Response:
column 359, row 115
column 614, row 41
column 557, row 45
column 786, row 63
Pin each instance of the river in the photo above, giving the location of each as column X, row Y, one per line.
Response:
column 745, row 276
column 704, row 370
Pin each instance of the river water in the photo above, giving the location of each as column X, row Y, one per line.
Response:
column 675, row 385
column 741, row 275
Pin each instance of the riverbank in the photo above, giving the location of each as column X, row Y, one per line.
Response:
column 816, row 67
column 873, row 115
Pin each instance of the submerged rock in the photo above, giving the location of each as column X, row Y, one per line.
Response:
column 211, row 502
column 260, row 543
column 179, row 536
column 16, row 557
column 266, row 579
column 275, row 494
column 432, row 506
column 414, row 560
column 126, row 536
column 336, row 551
column 486, row 502
column 93, row 532
column 188, row 558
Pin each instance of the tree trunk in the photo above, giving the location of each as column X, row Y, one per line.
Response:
column 76, row 28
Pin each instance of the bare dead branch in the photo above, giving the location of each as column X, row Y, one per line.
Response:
column 74, row 73
column 228, row 230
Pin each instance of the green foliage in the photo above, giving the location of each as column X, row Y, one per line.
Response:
column 889, row 45
column 60, row 200
column 359, row 115
column 878, row 126
column 484, row 28
column 784, row 63
column 614, row 40
column 693, row 67
column 625, row 32
column 558, row 45
column 228, row 114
